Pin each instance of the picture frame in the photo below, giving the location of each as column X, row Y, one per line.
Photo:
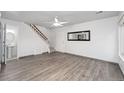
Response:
column 79, row 36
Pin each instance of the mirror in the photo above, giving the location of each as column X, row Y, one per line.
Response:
column 79, row 36
column 10, row 38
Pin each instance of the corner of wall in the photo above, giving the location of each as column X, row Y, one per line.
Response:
column 121, row 64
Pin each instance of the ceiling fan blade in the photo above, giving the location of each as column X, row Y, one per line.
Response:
column 60, row 25
column 57, row 23
column 63, row 23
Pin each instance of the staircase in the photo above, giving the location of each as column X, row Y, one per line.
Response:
column 35, row 28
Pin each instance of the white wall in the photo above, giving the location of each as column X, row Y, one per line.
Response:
column 122, row 39
column 103, row 44
column 121, row 44
column 121, row 53
column 52, row 37
column 28, row 42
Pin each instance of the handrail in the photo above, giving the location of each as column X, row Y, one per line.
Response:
column 39, row 32
column 35, row 28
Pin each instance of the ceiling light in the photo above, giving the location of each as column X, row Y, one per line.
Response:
column 57, row 24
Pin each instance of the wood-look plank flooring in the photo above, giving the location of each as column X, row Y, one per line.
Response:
column 60, row 67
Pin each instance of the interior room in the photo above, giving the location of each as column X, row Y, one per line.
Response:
column 61, row 45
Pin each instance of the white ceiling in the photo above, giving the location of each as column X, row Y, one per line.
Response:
column 43, row 17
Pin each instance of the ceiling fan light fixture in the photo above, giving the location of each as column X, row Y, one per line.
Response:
column 57, row 24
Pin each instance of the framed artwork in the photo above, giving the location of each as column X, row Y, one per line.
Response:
column 79, row 36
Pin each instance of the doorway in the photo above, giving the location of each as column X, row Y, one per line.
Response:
column 8, row 43
column 11, row 42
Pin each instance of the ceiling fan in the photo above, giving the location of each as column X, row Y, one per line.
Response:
column 58, row 23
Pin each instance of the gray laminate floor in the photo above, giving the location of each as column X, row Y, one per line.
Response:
column 59, row 66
